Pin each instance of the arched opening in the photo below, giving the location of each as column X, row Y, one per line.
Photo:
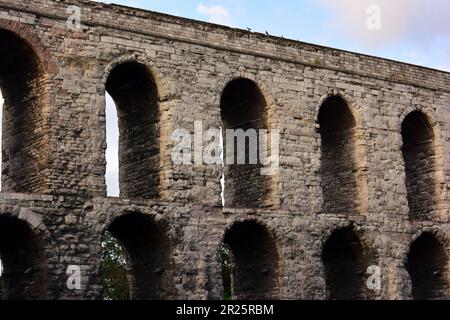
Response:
column 338, row 161
column 252, row 259
column 1, row 281
column 420, row 164
column 1, row 133
column 346, row 261
column 140, row 247
column 134, row 91
column 243, row 107
column 429, row 268
column 226, row 269
column 22, row 123
column 23, row 273
column 114, row 269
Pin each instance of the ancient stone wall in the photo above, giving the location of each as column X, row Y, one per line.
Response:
column 352, row 181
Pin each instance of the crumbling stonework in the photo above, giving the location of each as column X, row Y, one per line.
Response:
column 380, row 199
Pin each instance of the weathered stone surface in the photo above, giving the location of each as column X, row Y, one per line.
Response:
column 54, row 140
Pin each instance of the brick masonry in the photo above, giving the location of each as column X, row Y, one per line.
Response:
column 54, row 143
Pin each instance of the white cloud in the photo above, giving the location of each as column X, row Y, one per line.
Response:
column 418, row 21
column 216, row 14
column 112, row 151
column 112, row 183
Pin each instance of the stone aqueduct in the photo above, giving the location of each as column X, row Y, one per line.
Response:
column 364, row 173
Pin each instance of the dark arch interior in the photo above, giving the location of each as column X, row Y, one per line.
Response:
column 420, row 164
column 21, row 85
column 254, row 262
column 338, row 163
column 243, row 107
column 335, row 117
column 24, row 267
column 135, row 94
column 428, row 267
column 148, row 252
column 346, row 261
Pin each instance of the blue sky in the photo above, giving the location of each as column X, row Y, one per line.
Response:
column 414, row 31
